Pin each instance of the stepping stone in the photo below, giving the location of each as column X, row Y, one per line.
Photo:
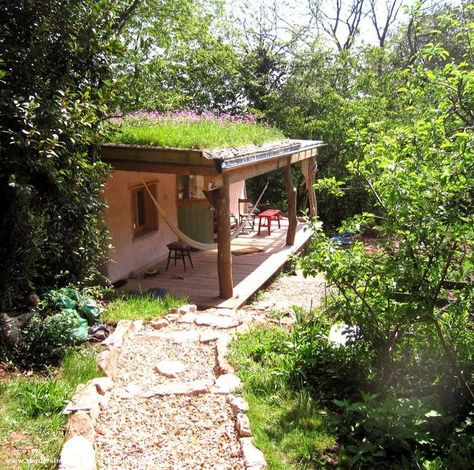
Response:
column 170, row 369
column 133, row 390
column 187, row 318
column 217, row 321
column 188, row 388
column 159, row 324
column 227, row 383
column 208, row 335
column 179, row 337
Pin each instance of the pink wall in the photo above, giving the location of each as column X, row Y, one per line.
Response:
column 236, row 191
column 129, row 253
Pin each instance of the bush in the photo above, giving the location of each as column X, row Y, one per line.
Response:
column 329, row 370
column 401, row 433
column 45, row 341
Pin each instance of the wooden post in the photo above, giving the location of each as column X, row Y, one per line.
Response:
column 291, row 194
column 224, row 255
column 308, row 168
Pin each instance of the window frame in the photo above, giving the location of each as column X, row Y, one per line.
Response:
column 150, row 214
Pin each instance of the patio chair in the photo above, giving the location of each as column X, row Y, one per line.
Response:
column 247, row 213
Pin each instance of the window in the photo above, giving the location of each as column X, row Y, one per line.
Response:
column 191, row 187
column 144, row 212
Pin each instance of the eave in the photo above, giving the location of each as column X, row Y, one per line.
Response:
column 267, row 157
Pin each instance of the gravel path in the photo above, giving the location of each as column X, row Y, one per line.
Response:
column 140, row 429
column 173, row 404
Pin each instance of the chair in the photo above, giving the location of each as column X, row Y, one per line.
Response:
column 247, row 213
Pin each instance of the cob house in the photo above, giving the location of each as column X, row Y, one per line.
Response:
column 157, row 196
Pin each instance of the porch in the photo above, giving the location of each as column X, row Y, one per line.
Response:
column 249, row 271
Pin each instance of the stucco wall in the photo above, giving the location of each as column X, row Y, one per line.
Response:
column 236, row 191
column 131, row 253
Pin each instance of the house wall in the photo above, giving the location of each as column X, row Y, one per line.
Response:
column 236, row 191
column 129, row 253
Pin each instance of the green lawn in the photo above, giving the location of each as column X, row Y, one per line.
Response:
column 140, row 307
column 289, row 427
column 202, row 134
column 31, row 426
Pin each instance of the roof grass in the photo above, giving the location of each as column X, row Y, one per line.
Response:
column 190, row 131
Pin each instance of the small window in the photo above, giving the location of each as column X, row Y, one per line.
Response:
column 144, row 212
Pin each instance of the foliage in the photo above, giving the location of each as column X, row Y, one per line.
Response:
column 412, row 296
column 55, row 87
column 140, row 307
column 31, row 427
column 316, row 364
column 177, row 57
column 186, row 129
column 395, row 431
column 289, row 426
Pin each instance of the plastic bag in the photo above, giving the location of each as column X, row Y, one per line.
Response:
column 90, row 311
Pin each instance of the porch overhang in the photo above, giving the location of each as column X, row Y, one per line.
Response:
column 240, row 163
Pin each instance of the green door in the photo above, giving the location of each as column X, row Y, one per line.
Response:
column 196, row 221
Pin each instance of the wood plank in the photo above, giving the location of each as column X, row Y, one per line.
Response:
column 249, row 272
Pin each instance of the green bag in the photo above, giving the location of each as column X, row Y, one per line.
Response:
column 90, row 311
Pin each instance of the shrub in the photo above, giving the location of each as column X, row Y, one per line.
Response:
column 329, row 370
column 45, row 341
column 399, row 432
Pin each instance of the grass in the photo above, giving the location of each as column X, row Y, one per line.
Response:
column 202, row 134
column 31, row 426
column 140, row 307
column 289, row 426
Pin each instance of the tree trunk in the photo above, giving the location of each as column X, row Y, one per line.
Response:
column 224, row 255
column 308, row 168
column 291, row 193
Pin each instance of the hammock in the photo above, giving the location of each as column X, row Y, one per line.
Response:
column 189, row 241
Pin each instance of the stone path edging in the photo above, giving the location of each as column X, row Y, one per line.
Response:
column 84, row 408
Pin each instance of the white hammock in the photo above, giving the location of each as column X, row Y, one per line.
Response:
column 189, row 241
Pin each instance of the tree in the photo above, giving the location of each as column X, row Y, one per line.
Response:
column 412, row 298
column 333, row 20
column 56, row 57
column 177, row 57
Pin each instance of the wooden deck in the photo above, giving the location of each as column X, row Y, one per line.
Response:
column 250, row 271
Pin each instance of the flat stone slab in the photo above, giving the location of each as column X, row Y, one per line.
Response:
column 187, row 318
column 189, row 388
column 208, row 335
column 253, row 457
column 227, row 383
column 217, row 321
column 170, row 369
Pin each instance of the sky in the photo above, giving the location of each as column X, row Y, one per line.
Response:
column 296, row 13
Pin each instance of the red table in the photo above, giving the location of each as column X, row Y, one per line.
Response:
column 269, row 215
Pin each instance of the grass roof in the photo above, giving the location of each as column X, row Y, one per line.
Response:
column 188, row 130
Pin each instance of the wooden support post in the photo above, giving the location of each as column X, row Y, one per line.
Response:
column 308, row 168
column 224, row 255
column 291, row 193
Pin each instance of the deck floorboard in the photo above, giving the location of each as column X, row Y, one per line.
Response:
column 250, row 271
